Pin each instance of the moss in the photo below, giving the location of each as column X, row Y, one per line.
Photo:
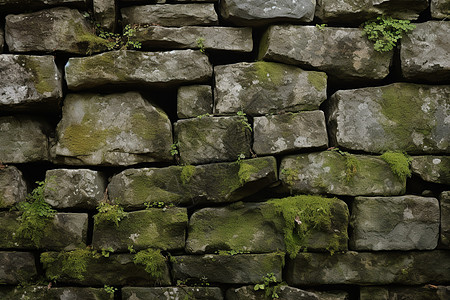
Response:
column 245, row 171
column 108, row 213
column 153, row 260
column 82, row 139
column 399, row 163
column 87, row 40
column 187, row 172
column 269, row 72
column 352, row 166
column 72, row 264
column 42, row 73
column 141, row 126
column 318, row 80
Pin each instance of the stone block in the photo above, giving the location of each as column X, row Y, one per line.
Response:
column 266, row 87
column 180, row 292
column 13, row 188
column 18, row 6
column 284, row 292
column 2, row 39
column 440, row 9
column 430, row 292
column 194, row 101
column 53, row 293
column 432, row 168
column 16, row 267
column 105, row 14
column 445, row 220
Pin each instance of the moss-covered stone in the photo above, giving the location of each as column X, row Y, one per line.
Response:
column 36, row 292
column 439, row 292
column 432, row 168
column 194, row 101
column 179, row 292
column 17, row 267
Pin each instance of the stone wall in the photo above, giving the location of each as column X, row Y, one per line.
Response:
column 217, row 145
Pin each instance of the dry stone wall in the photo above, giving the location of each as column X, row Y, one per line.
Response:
column 207, row 149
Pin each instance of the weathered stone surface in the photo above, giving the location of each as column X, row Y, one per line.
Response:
column 74, row 188
column 162, row 293
column 11, row 6
column 353, row 57
column 440, row 9
column 400, row 116
column 194, row 101
column 326, row 173
column 365, row 268
column 16, row 267
column 212, row 139
column 445, row 220
column 429, row 292
column 285, row 292
column 134, row 68
column 171, row 15
column 211, row 38
column 105, row 14
column 260, row 12
column 332, row 295
column 164, row 229
column 425, row 52
column 58, row 29
column 2, row 39
column 13, row 188
column 356, row 12
column 24, row 139
column 265, row 87
column 189, row 185
column 432, row 168
column 236, row 269
column 289, row 132
column 53, row 293
column 114, row 129
column 394, row 223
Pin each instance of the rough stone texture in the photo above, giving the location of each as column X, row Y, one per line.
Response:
column 11, row 6
column 332, row 295
column 266, row 87
column 445, row 220
column 212, row 139
column 432, row 168
column 114, row 129
column 429, row 292
column 164, row 293
column 171, row 15
column 2, row 39
column 285, row 293
column 425, row 52
column 400, row 116
column 164, row 229
column 16, row 267
column 66, row 231
column 134, row 68
column 260, row 12
column 105, row 14
column 58, row 29
column 13, row 188
column 353, row 56
column 194, row 101
column 356, row 12
column 365, row 268
column 440, row 9
column 212, row 38
column 29, row 83
column 326, row 173
column 289, row 132
column 74, row 188
column 53, row 293
column 236, row 269
column 24, row 139
column 189, row 185
column 394, row 223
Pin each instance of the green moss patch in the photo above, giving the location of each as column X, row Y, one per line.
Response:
column 187, row 172
column 399, row 163
column 42, row 73
column 318, row 80
column 269, row 72
column 67, row 263
column 153, row 260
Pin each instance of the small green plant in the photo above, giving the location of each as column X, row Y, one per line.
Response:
column 69, row 263
column 244, row 120
column 351, row 164
column 106, row 252
column 110, row 290
column 385, row 32
column 240, row 158
column 174, row 149
column 118, row 41
column 157, row 204
column 201, row 45
column 204, row 115
column 231, row 252
column 399, row 163
column 321, row 26
column 131, row 249
column 271, row 289
column 153, row 260
column 109, row 213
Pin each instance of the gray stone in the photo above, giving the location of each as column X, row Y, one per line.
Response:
column 17, row 6
column 134, row 68
column 265, row 87
column 428, row 292
column 327, row 173
column 353, row 56
column 24, row 139
column 236, row 269
column 284, row 292
column 114, row 129
column 366, row 268
column 164, row 293
column 189, row 185
column 397, row 117
column 164, row 229
column 212, row 139
column 74, row 188
column 53, row 293
column 194, row 101
column 16, row 267
column 195, row 37
column 105, row 14
column 260, row 12
column 29, row 83
column 440, row 9
column 289, row 132
column 332, row 295
column 394, row 223
column 2, row 39
column 445, row 220
column 57, row 29
column 171, row 15
column 432, row 168
column 13, row 188
column 425, row 52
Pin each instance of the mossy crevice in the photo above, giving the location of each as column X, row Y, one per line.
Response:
column 153, row 261
column 399, row 163
column 71, row 264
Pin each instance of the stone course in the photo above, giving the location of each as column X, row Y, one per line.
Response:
column 194, row 101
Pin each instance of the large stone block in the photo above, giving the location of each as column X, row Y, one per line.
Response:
column 330, row 172
column 400, row 116
column 105, row 14
column 284, row 292
column 440, row 9
column 16, row 6
column 13, row 188
column 213, row 139
column 114, row 129
column 24, row 139
column 54, row 293
column 194, row 101
column 353, row 57
column 394, row 223
column 181, row 292
column 29, row 83
column 134, row 68
column 289, row 132
column 365, row 268
column 425, row 52
column 57, row 29
column 16, row 267
column 265, row 87
column 260, row 12
column 430, row 292
column 432, row 168
column 193, row 185
column 445, row 220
